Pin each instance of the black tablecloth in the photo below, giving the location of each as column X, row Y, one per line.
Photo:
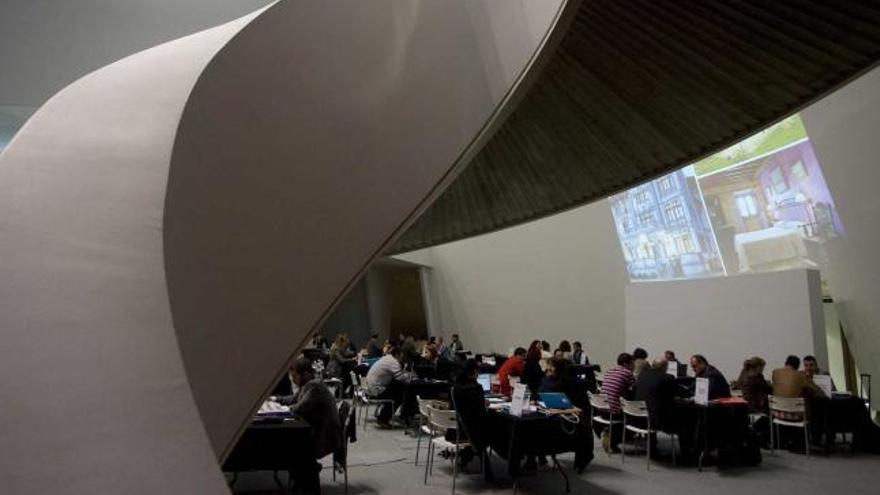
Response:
column 718, row 425
column 272, row 446
column 842, row 414
column 513, row 438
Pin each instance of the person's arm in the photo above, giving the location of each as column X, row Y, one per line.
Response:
column 309, row 403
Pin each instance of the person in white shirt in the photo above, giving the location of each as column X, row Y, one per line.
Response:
column 384, row 381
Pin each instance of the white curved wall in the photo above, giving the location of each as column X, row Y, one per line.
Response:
column 845, row 130
column 174, row 225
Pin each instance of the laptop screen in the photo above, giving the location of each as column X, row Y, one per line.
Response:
column 485, row 381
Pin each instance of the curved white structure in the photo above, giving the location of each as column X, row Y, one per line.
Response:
column 174, row 225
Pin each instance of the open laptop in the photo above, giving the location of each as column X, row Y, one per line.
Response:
column 555, row 400
column 485, row 381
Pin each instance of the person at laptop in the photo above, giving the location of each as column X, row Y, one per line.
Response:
column 811, row 369
column 533, row 373
column 385, row 380
column 469, row 401
column 718, row 385
column 618, row 383
column 559, row 381
column 514, row 366
column 316, row 405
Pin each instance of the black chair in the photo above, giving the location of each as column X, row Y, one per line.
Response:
column 340, row 457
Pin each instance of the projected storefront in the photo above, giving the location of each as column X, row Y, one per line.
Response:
column 760, row 205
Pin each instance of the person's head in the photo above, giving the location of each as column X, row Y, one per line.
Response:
column 811, row 367
column 578, row 346
column 758, row 364
column 432, row 340
column 375, row 336
column 341, row 341
column 699, row 364
column 670, row 356
column 469, row 371
column 302, row 371
column 393, row 351
column 556, row 367
column 625, row 359
column 455, row 337
column 793, row 362
column 431, row 353
column 565, row 346
column 519, row 353
column 545, row 346
column 558, row 354
column 640, row 353
column 659, row 363
column 534, row 352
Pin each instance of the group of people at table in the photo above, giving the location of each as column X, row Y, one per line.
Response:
column 393, row 365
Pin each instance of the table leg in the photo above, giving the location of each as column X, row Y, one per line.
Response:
column 562, row 472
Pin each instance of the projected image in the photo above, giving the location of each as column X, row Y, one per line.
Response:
column 664, row 230
column 760, row 205
column 771, row 209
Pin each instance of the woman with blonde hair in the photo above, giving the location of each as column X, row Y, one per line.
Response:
column 754, row 386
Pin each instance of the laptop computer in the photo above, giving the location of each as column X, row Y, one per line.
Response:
column 485, row 381
column 555, row 400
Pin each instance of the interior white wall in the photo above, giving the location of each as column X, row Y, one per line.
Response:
column 845, row 128
column 561, row 277
column 729, row 319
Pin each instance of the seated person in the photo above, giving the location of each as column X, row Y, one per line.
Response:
column 341, row 361
column 512, row 367
column 384, row 381
column 558, row 380
column 618, row 382
column 640, row 361
column 754, row 386
column 470, row 403
column 578, row 356
column 565, row 349
column 658, row 389
column 373, row 349
column 718, row 386
column 791, row 383
column 533, row 372
column 316, row 405
column 811, row 369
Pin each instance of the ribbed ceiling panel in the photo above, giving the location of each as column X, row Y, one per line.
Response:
column 638, row 88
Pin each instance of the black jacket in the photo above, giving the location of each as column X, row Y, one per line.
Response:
column 658, row 389
column 470, row 403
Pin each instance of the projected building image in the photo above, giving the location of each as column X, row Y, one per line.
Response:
column 773, row 212
column 664, row 231
column 760, row 205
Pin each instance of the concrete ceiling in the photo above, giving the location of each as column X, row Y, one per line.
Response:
column 47, row 44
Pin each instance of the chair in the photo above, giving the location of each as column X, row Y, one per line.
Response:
column 599, row 405
column 347, row 415
column 639, row 409
column 362, row 398
column 423, row 427
column 440, row 422
column 785, row 411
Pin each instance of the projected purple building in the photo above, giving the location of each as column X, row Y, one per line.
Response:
column 664, row 230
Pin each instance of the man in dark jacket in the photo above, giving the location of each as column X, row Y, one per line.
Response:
column 718, row 386
column 315, row 404
column 658, row 389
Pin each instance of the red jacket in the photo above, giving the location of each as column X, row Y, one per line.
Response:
column 513, row 366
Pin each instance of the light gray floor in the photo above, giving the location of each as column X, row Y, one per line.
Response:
column 382, row 462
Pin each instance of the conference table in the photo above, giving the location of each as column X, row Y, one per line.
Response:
column 720, row 423
column 536, row 433
column 275, row 443
column 841, row 413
